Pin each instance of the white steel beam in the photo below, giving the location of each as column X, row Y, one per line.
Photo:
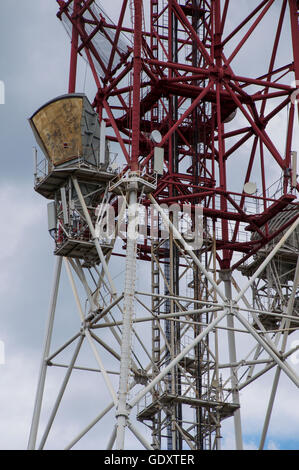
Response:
column 268, row 259
column 278, row 370
column 88, row 335
column 139, row 436
column 179, row 237
column 90, row 426
column 176, row 360
column 287, row 369
column 233, row 359
column 46, row 350
column 128, row 311
column 60, row 394
column 95, row 238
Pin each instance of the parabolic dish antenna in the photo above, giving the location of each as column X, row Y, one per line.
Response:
column 250, row 188
column 156, row 137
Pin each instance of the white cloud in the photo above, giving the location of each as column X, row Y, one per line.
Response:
column 273, row 446
column 21, row 214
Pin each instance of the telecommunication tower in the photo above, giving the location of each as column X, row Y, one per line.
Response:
column 204, row 197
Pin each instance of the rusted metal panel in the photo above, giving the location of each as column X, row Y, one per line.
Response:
column 58, row 125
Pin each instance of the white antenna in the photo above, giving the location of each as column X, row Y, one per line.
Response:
column 35, row 162
column 294, row 169
column 103, row 142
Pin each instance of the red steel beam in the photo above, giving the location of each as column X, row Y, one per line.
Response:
column 208, row 88
column 74, row 47
column 136, row 84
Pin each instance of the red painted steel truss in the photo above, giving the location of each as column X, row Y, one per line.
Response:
column 177, row 67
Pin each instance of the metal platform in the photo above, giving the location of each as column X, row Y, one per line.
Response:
column 57, row 177
column 270, row 322
column 121, row 183
column 81, row 249
column 285, row 261
column 225, row 410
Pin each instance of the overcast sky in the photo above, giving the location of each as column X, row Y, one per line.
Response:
column 34, row 62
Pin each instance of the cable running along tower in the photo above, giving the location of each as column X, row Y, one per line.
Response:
column 202, row 195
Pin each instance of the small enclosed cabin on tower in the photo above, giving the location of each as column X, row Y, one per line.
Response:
column 68, row 131
column 68, row 128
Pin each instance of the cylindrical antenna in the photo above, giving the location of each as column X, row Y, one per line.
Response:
column 294, row 169
column 35, row 163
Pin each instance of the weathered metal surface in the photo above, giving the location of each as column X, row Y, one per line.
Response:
column 58, row 125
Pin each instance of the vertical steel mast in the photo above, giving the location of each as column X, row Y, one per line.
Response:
column 202, row 200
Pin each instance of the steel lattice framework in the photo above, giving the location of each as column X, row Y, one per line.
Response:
column 187, row 69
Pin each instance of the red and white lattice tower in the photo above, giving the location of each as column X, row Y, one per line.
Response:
column 198, row 99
